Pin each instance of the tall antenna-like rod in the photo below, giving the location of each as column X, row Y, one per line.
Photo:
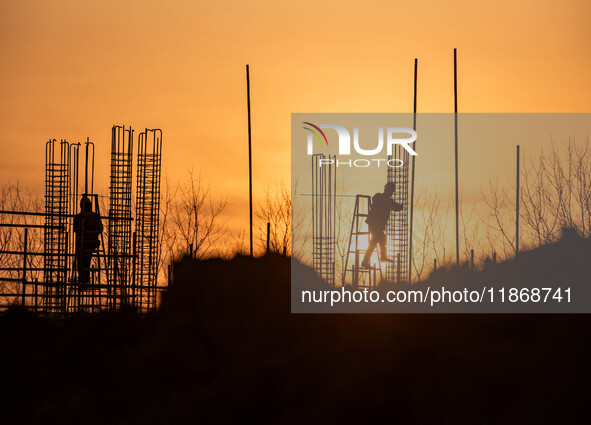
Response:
column 517, row 207
column 249, row 155
column 86, row 169
column 412, row 179
column 456, row 155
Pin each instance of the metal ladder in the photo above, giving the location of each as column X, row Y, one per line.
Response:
column 360, row 277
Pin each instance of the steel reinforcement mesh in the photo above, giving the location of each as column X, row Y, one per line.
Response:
column 120, row 211
column 147, row 219
column 397, row 229
column 323, row 213
column 55, row 237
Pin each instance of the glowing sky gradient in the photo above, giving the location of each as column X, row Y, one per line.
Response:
column 72, row 69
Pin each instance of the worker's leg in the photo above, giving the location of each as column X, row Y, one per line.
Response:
column 373, row 241
column 84, row 267
column 381, row 241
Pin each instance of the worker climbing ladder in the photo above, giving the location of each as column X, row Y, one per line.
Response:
column 354, row 274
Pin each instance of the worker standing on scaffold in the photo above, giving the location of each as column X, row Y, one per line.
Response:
column 377, row 218
column 88, row 228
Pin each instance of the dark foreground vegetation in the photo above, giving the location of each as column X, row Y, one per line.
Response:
column 224, row 348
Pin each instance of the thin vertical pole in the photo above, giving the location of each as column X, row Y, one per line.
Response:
column 86, row 170
column 65, row 299
column 517, row 207
column 25, row 265
column 36, row 294
column 412, row 180
column 268, row 235
column 249, row 154
column 456, row 154
column 133, row 271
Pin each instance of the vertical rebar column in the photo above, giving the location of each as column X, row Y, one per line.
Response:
column 412, row 178
column 73, row 202
column 55, row 234
column 249, row 156
column 323, row 215
column 397, row 230
column 147, row 217
column 73, row 199
column 456, row 156
column 95, row 297
column 120, row 191
column 517, row 205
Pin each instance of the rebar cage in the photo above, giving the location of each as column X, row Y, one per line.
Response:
column 147, row 217
column 323, row 213
column 120, row 211
column 55, row 240
column 397, row 230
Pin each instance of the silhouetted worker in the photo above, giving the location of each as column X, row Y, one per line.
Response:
column 377, row 218
column 88, row 228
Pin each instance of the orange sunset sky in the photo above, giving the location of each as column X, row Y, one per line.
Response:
column 72, row 69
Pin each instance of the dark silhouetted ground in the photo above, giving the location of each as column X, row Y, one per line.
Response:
column 224, row 348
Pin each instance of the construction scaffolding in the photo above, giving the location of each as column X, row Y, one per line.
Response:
column 116, row 268
column 323, row 212
column 397, row 229
column 147, row 218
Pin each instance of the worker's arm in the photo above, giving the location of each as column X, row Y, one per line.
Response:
column 395, row 206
